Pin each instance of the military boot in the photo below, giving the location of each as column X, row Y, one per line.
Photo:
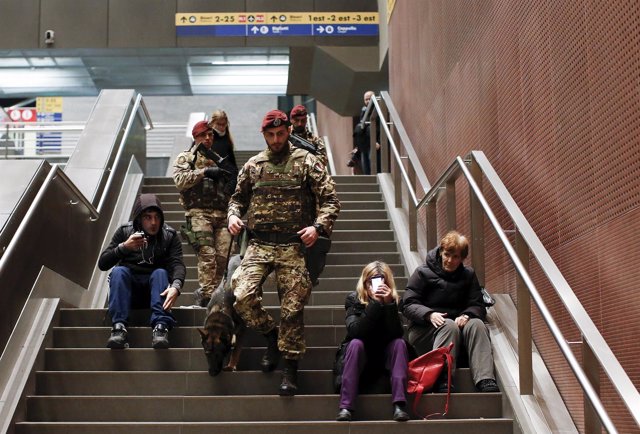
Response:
column 271, row 356
column 289, row 384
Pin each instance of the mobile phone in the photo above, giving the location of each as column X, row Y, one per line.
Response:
column 375, row 282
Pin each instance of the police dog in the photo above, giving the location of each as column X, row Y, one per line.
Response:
column 223, row 329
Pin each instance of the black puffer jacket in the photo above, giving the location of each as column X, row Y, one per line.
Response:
column 431, row 289
column 164, row 250
column 374, row 323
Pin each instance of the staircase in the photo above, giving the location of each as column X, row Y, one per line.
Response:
column 86, row 388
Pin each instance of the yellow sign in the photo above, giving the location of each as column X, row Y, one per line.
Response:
column 390, row 5
column 248, row 18
column 49, row 104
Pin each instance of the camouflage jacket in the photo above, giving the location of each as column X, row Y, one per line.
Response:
column 282, row 196
column 197, row 191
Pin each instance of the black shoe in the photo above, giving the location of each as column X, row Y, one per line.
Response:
column 289, row 384
column 118, row 339
column 487, row 385
column 271, row 357
column 443, row 387
column 344, row 415
column 399, row 413
column 160, row 337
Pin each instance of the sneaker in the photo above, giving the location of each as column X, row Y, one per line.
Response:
column 487, row 385
column 160, row 337
column 118, row 339
column 344, row 415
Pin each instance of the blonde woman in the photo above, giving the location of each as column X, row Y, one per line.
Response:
column 374, row 336
column 222, row 140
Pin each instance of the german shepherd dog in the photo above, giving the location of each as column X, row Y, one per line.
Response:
column 223, row 329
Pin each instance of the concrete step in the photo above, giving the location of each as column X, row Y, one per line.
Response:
column 239, row 408
column 318, row 315
column 326, row 283
column 445, row 426
column 195, row 383
column 359, row 192
column 182, row 337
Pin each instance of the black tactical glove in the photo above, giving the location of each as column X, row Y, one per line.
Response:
column 213, row 172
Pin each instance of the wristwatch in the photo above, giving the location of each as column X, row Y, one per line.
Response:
column 319, row 228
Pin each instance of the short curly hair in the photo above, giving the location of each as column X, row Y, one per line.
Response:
column 455, row 241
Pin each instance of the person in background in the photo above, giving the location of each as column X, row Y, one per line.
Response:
column 206, row 181
column 443, row 303
column 374, row 333
column 289, row 200
column 148, row 271
column 362, row 139
column 299, row 127
column 223, row 143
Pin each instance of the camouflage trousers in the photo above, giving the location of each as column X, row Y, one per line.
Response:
column 210, row 228
column 294, row 288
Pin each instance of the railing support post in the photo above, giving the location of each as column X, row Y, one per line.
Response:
column 373, row 152
column 432, row 225
column 477, row 224
column 397, row 184
column 525, row 364
column 413, row 215
column 451, row 204
column 590, row 365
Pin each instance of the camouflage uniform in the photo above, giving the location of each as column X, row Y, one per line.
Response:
column 280, row 199
column 321, row 148
column 205, row 202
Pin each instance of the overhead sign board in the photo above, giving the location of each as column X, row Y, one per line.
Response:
column 277, row 24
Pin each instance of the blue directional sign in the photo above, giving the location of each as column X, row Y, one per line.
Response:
column 345, row 30
column 280, row 30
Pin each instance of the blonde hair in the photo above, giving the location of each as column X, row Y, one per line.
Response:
column 373, row 269
column 455, row 241
column 221, row 115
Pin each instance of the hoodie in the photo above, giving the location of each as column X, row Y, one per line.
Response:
column 432, row 289
column 164, row 250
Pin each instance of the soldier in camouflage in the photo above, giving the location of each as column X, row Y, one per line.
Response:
column 278, row 190
column 206, row 181
column 298, row 118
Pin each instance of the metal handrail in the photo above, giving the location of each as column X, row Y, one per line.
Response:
column 592, row 337
column 325, row 139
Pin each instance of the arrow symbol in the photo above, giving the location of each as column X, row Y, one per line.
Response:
column 274, row 19
column 183, row 19
column 320, row 29
column 254, row 29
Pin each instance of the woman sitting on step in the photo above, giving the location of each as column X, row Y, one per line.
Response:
column 374, row 336
column 443, row 303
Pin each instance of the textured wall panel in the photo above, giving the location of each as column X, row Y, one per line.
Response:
column 550, row 91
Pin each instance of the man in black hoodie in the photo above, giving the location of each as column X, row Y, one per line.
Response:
column 148, row 270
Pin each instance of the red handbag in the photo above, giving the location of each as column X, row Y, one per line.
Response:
column 424, row 371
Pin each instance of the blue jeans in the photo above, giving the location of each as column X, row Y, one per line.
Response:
column 127, row 289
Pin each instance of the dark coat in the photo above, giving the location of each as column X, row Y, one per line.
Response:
column 164, row 250
column 375, row 324
column 431, row 289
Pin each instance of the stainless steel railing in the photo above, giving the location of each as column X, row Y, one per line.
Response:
column 474, row 168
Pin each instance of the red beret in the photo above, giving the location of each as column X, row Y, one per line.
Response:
column 299, row 110
column 199, row 128
column 273, row 119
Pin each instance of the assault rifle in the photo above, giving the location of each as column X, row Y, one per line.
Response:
column 301, row 143
column 229, row 169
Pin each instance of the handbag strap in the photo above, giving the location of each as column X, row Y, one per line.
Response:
column 446, row 405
